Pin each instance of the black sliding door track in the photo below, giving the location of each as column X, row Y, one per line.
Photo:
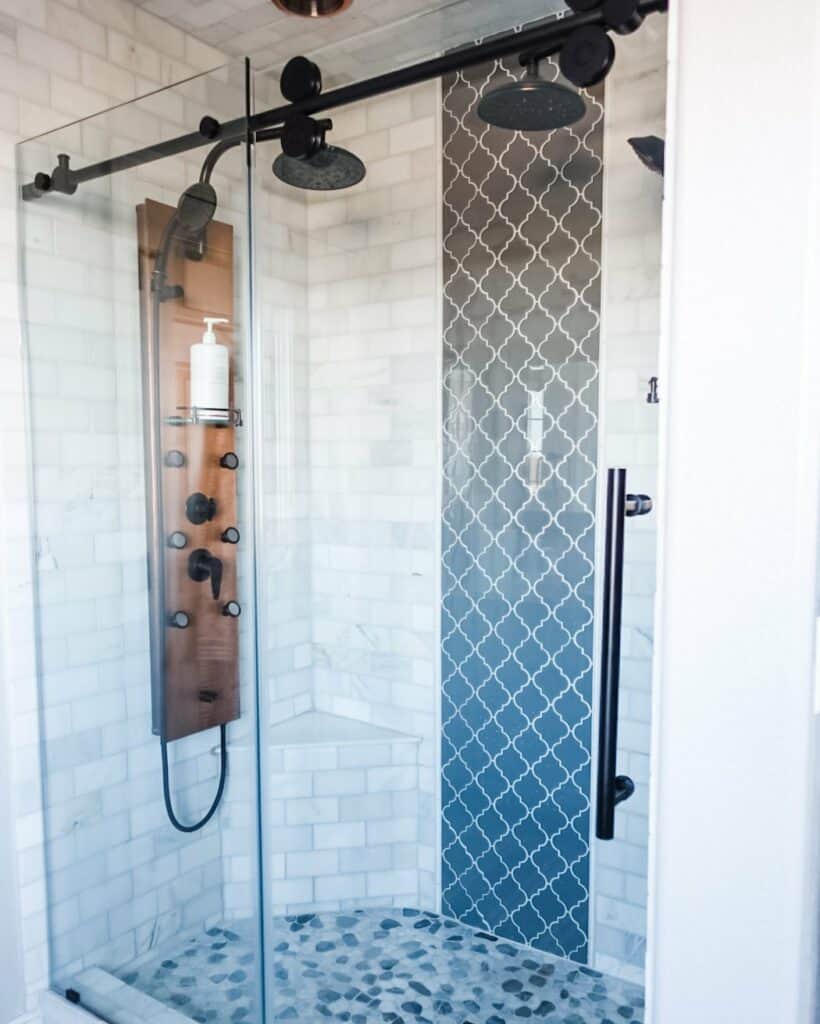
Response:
column 543, row 40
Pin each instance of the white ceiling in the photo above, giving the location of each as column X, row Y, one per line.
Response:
column 371, row 36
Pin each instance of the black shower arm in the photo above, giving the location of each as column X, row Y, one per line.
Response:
column 545, row 40
column 221, row 148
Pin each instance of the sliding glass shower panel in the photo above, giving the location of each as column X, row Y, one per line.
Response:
column 152, row 903
column 522, row 262
column 439, row 414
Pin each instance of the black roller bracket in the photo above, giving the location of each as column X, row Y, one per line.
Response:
column 208, row 696
column 583, row 6
column 303, row 137
column 623, row 16
column 199, row 508
column 300, row 80
column 587, row 56
column 209, row 128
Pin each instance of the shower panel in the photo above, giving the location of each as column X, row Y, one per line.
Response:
column 192, row 505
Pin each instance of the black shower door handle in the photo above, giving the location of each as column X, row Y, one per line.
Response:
column 613, row 789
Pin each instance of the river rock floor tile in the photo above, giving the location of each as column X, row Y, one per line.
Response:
column 391, row 966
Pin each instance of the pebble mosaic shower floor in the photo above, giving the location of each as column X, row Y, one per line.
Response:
column 392, row 966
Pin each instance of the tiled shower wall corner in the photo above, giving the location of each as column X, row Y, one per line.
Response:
column 635, row 106
column 374, row 364
column 522, row 246
column 280, row 231
column 58, row 61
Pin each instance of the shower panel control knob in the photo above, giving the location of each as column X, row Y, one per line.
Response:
column 174, row 459
column 199, row 508
column 232, row 609
column 230, row 460
column 179, row 620
column 202, row 565
column 230, row 536
column 177, row 540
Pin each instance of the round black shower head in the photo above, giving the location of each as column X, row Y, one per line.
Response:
column 531, row 105
column 196, row 207
column 313, row 8
column 330, row 169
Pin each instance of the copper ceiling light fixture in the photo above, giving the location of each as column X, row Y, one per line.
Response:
column 312, row 8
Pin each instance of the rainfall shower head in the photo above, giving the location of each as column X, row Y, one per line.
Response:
column 307, row 161
column 312, row 8
column 531, row 105
column 196, row 207
column 651, row 151
column 329, row 169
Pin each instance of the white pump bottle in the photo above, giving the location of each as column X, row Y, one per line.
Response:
column 210, row 370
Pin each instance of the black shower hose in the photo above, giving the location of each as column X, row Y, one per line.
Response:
column 166, row 786
column 157, row 286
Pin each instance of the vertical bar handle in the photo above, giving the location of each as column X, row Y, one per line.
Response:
column 612, row 788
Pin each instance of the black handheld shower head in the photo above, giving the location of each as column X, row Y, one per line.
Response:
column 196, row 207
column 531, row 105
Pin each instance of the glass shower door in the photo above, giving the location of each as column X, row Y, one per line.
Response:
column 147, row 682
column 456, row 350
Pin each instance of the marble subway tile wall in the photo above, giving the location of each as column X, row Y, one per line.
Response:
column 636, row 106
column 119, row 877
column 281, row 240
column 345, row 820
column 375, row 358
column 107, row 53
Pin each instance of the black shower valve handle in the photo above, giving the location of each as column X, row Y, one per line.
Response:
column 202, row 565
column 216, row 577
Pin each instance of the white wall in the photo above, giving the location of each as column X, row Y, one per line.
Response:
column 731, row 806
column 58, row 61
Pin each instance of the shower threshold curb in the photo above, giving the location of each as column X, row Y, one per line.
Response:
column 106, row 997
